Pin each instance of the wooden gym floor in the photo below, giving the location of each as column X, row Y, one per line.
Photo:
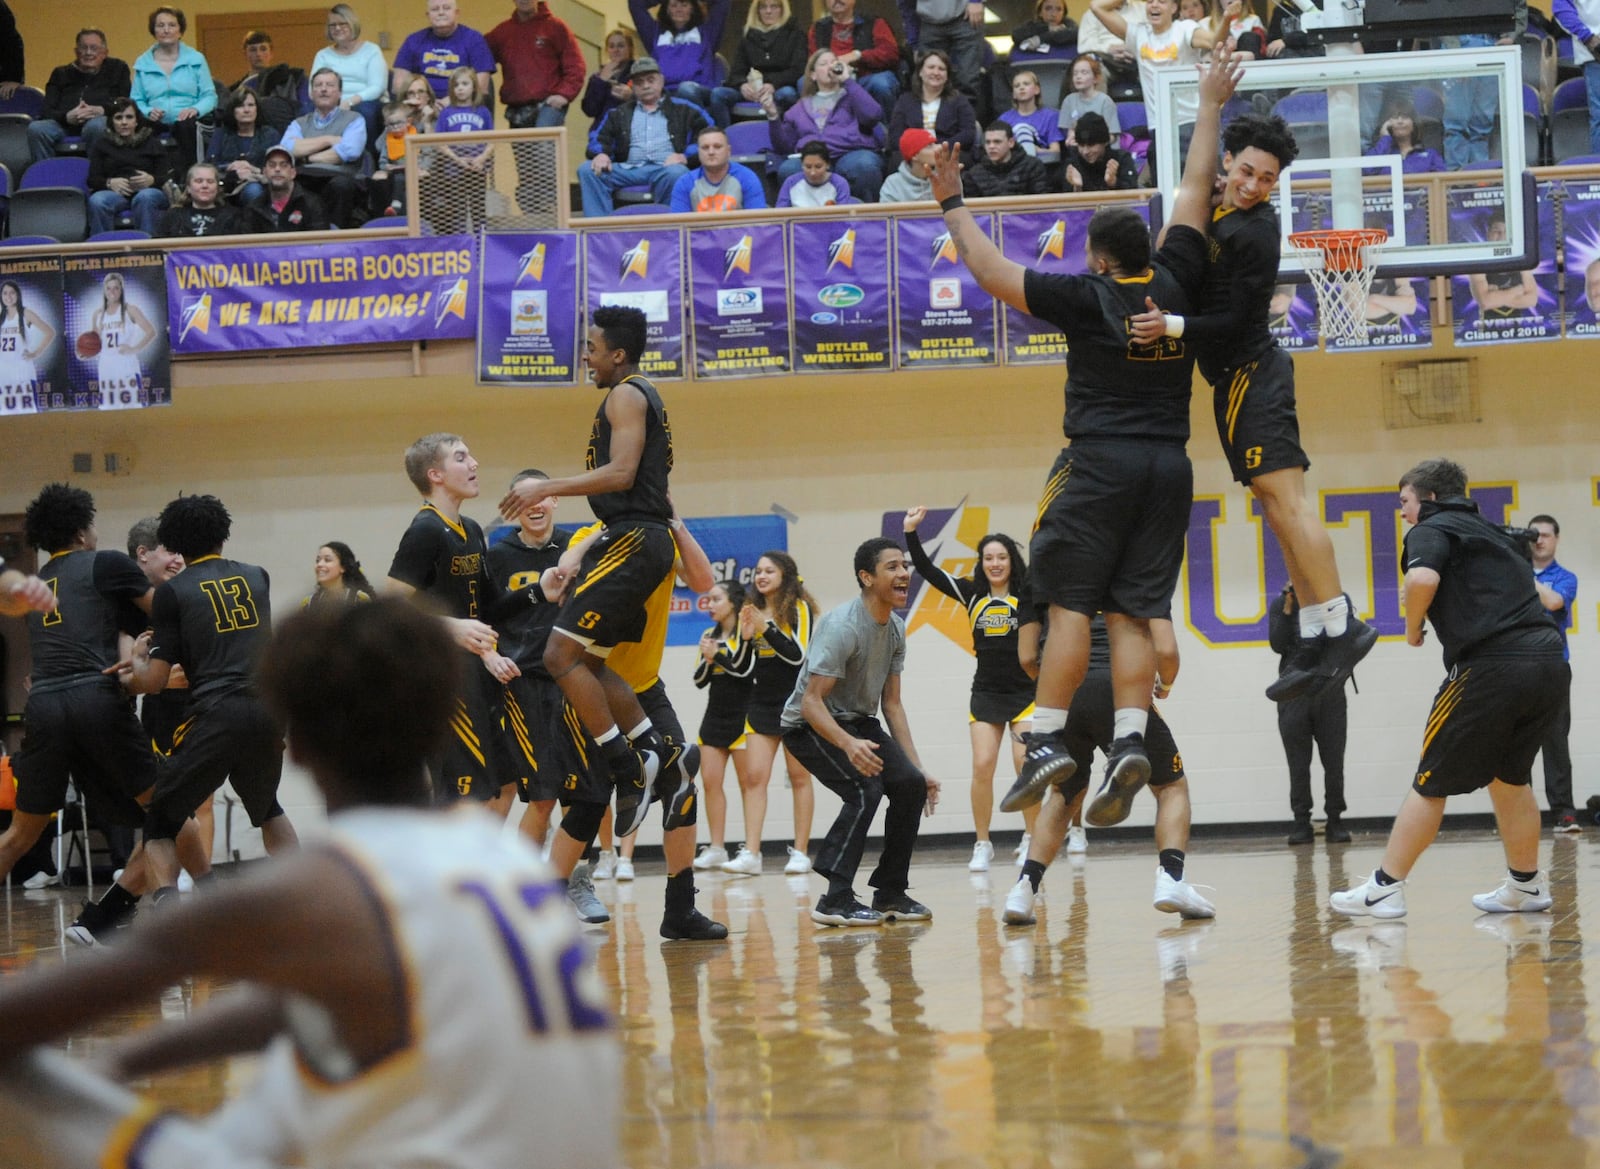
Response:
column 1107, row 1035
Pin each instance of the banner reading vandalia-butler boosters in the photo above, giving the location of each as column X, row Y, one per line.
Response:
column 945, row 318
column 365, row 292
column 739, row 287
column 842, row 295
column 528, row 310
column 642, row 270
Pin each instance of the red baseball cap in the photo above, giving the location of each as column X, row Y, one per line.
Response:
column 914, row 141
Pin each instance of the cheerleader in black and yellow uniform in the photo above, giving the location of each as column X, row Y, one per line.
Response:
column 726, row 670
column 776, row 618
column 1002, row 694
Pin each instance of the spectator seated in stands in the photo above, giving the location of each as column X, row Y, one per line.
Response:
column 647, row 140
column 76, row 97
column 541, row 65
column 770, row 59
column 1050, row 28
column 284, row 205
column 814, row 184
column 363, row 72
column 386, row 186
column 327, row 145
column 1087, row 96
column 202, row 212
column 911, row 183
column 720, row 184
column 1399, row 135
column 1004, row 169
column 424, row 106
column 172, row 83
column 1037, row 131
column 608, row 85
column 277, row 86
column 13, row 62
column 440, row 49
column 1092, row 164
column 952, row 27
column 682, row 36
column 866, row 44
column 837, row 111
column 127, row 169
column 239, row 148
column 934, row 105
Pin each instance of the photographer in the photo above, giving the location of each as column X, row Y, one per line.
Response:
column 1506, row 680
column 1558, row 592
column 1318, row 719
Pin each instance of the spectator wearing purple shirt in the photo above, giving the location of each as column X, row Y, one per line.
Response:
column 440, row 49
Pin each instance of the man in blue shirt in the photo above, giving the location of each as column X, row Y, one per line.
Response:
column 720, row 184
column 327, row 145
column 647, row 140
column 1558, row 590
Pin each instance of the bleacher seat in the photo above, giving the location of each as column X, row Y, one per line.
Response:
column 62, row 213
column 629, row 196
column 1569, row 121
column 1312, row 138
column 57, row 172
column 14, row 153
column 1055, row 78
column 27, row 241
column 639, row 208
column 1131, row 118
column 1303, row 106
column 25, row 100
column 121, row 233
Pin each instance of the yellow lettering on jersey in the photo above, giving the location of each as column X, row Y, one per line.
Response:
column 468, row 565
column 231, row 603
column 521, row 580
column 54, row 617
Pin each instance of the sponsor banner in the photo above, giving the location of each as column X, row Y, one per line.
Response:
column 1399, row 314
column 733, row 544
column 1580, row 228
column 945, row 319
column 841, row 302
column 642, row 270
column 1503, row 306
column 33, row 339
column 739, row 286
column 1051, row 243
column 528, row 310
column 365, row 292
column 115, row 310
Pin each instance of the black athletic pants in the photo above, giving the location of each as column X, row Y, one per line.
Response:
column 1320, row 718
column 1558, row 759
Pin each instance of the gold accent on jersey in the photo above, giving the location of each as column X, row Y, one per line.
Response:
column 455, row 526
column 1449, row 698
column 55, row 616
column 626, row 544
column 127, row 1133
column 461, row 723
column 1052, row 488
column 518, row 722
column 232, row 604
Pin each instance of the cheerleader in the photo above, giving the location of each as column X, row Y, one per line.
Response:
column 1002, row 693
column 339, row 577
column 24, row 338
column 124, row 330
column 777, row 619
column 726, row 671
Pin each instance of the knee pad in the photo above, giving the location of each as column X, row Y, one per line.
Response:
column 581, row 821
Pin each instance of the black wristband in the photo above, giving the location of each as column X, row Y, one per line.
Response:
column 951, row 203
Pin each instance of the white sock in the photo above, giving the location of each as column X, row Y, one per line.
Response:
column 642, row 729
column 1130, row 720
column 605, row 737
column 1336, row 616
column 1047, row 720
column 1310, row 620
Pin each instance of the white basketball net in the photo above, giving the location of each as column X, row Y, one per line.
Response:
column 1341, row 265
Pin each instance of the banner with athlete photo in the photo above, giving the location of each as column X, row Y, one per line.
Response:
column 364, row 292
column 1399, row 312
column 842, row 299
column 642, row 269
column 1500, row 307
column 1051, row 243
column 733, row 544
column 1580, row 230
column 115, row 310
column 739, row 287
column 1292, row 313
column 945, row 319
column 528, row 310
column 33, row 338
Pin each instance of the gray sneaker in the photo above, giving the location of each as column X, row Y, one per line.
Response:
column 580, row 891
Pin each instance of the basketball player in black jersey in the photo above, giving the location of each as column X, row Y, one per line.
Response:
column 1253, row 394
column 626, row 467
column 442, row 564
column 79, row 721
column 1110, row 529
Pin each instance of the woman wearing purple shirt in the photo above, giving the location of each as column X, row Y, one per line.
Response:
column 837, row 111
column 1399, row 136
column 682, row 35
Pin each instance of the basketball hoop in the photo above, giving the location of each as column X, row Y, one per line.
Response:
column 1340, row 264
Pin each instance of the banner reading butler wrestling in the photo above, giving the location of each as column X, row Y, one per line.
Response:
column 528, row 310
column 371, row 292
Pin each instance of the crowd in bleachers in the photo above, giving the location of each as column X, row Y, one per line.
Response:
column 834, row 112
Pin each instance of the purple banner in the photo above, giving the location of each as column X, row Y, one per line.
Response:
column 739, row 286
column 1580, row 225
column 1051, row 243
column 33, row 350
column 116, row 317
column 365, row 292
column 1503, row 306
column 528, row 310
column 945, row 319
column 643, row 270
column 1398, row 311
column 841, row 301
column 1292, row 316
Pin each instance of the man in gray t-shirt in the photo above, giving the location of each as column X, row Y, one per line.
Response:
column 720, row 184
column 852, row 668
